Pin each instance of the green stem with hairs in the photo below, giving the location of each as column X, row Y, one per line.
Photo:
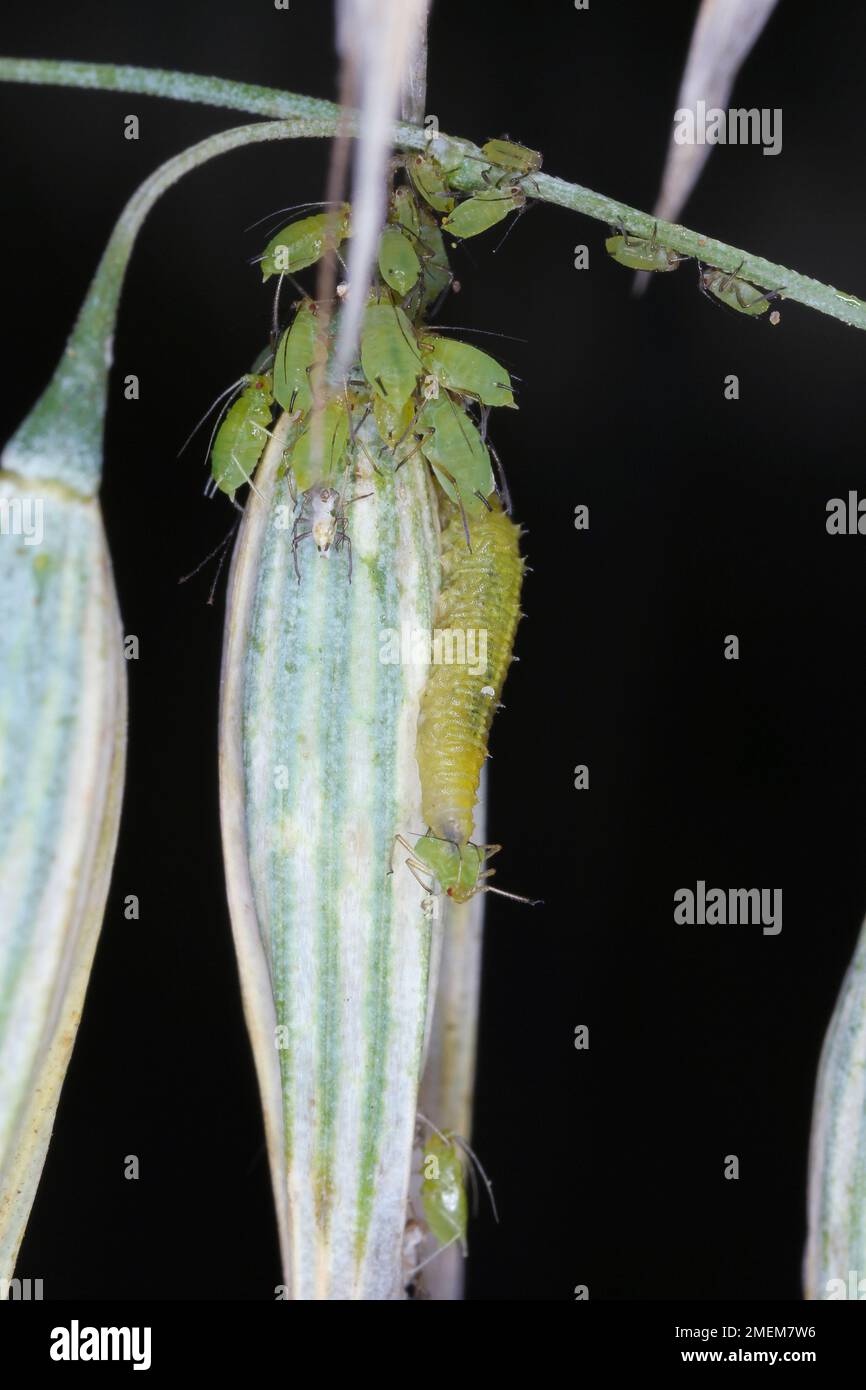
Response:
column 461, row 156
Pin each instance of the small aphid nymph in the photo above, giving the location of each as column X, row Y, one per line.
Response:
column 642, row 252
column 735, row 293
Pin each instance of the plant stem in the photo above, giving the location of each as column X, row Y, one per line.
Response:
column 460, row 156
column 64, row 430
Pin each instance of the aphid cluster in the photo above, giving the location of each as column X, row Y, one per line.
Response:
column 726, row 287
column 429, row 396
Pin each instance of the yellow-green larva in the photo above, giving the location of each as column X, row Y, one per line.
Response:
column 479, row 605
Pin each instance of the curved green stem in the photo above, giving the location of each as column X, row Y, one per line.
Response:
column 460, row 156
column 155, row 82
column 61, row 438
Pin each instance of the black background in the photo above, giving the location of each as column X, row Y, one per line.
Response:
column 707, row 518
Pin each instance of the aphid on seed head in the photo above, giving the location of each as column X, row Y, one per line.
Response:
column 318, row 455
column 642, row 252
column 304, row 242
column 294, row 358
column 729, row 289
column 241, row 438
column 466, row 369
column 389, row 352
column 431, row 181
column 517, row 159
column 453, row 447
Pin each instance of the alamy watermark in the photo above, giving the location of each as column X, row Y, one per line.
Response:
column 414, row 646
column 22, row 516
column 713, row 126
column 704, row 906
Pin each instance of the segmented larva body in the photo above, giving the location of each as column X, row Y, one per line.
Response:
column 480, row 599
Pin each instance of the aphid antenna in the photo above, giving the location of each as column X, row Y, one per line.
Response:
column 235, row 386
column 515, row 897
column 275, row 314
column 503, row 489
column 443, row 295
column 295, row 207
column 488, row 332
column 247, row 477
column 521, row 212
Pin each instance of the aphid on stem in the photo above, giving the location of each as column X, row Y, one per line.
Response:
column 443, row 1190
column 641, row 252
column 727, row 287
column 484, row 210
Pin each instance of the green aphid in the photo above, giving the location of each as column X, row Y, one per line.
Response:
column 403, row 211
column 393, row 425
column 319, row 453
column 431, row 181
column 456, row 452
column 302, row 243
column 461, row 367
column 443, row 1189
column 483, row 210
column 436, row 272
column 293, row 360
column 456, row 868
column 517, row 159
column 241, row 438
column 399, row 265
column 389, row 352
column 641, row 252
column 730, row 289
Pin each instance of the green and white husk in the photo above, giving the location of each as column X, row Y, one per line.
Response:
column 836, row 1245
column 62, row 736
column 448, row 1082
column 318, row 774
column 62, row 710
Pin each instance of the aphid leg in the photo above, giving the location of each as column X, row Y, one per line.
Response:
column 343, row 539
column 246, row 475
column 278, row 212
column 476, row 1166
column 275, row 318
column 408, row 457
column 435, row 1255
column 453, row 481
column 297, row 537
column 515, row 897
column 503, row 489
column 489, row 850
column 415, row 867
column 702, row 270
column 220, row 550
